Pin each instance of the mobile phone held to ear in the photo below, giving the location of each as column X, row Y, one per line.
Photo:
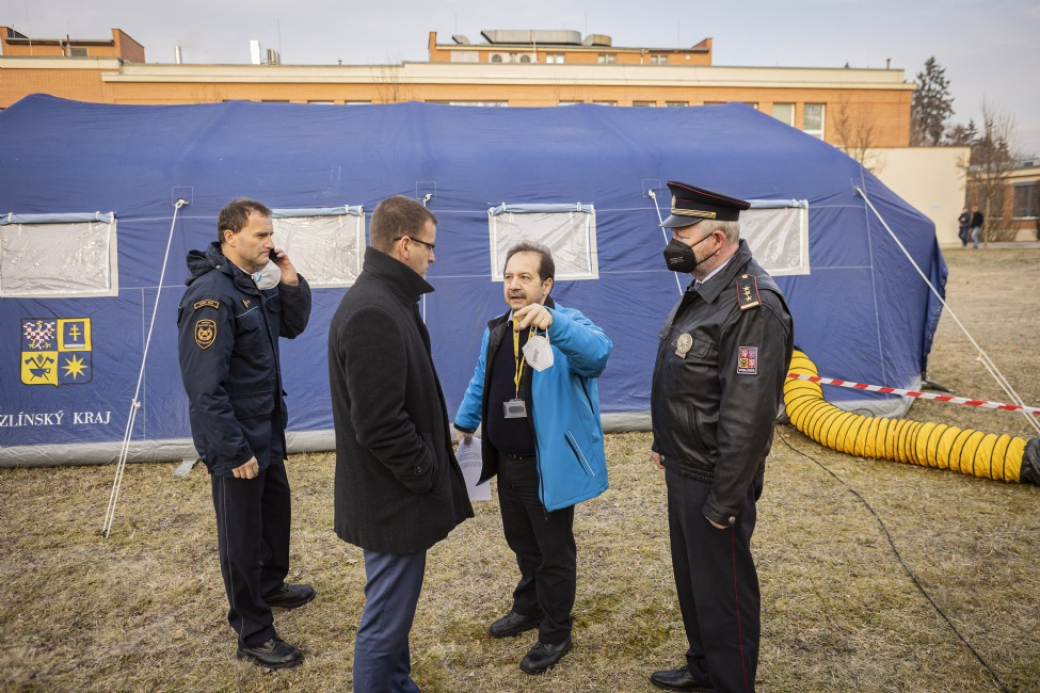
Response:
column 273, row 255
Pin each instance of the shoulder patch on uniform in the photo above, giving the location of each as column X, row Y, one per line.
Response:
column 747, row 360
column 747, row 292
column 207, row 303
column 205, row 333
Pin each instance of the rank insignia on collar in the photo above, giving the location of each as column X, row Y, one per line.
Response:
column 245, row 302
column 207, row 303
column 747, row 292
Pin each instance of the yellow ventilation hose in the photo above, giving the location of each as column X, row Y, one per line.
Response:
column 985, row 455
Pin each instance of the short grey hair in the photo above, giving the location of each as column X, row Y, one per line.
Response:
column 731, row 229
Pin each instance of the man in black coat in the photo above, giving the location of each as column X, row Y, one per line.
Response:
column 722, row 359
column 399, row 489
column 976, row 226
column 229, row 322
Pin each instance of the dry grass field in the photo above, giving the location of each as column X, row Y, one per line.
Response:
column 144, row 609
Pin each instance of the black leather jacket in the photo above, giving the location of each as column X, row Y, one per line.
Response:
column 718, row 381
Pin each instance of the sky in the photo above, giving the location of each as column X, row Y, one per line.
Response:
column 989, row 49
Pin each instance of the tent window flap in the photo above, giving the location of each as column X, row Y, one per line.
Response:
column 49, row 256
column 326, row 245
column 568, row 230
column 778, row 233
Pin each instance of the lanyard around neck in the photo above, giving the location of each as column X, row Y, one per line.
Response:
column 518, row 360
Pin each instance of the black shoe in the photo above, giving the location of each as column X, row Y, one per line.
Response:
column 541, row 657
column 290, row 596
column 679, row 680
column 514, row 624
column 273, row 654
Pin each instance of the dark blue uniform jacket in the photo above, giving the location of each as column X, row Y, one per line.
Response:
column 228, row 345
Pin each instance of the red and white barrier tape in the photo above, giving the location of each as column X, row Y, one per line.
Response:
column 913, row 393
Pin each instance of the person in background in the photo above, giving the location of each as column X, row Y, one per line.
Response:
column 976, row 226
column 964, row 226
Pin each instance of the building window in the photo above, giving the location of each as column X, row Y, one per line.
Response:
column 569, row 103
column 605, row 103
column 554, row 58
column 77, row 52
column 356, row 103
column 784, row 112
column 676, row 104
column 326, row 245
column 812, row 120
column 322, row 102
column 483, row 104
column 658, row 59
column 644, row 104
column 1027, row 200
column 568, row 230
column 607, row 58
column 58, row 255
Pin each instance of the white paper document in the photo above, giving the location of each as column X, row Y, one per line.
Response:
column 471, row 463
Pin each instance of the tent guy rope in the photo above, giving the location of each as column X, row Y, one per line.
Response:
column 987, row 362
column 135, row 404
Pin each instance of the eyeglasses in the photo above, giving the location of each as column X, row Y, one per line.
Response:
column 431, row 246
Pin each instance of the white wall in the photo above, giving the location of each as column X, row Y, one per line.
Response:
column 931, row 179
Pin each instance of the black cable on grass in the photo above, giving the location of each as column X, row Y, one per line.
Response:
column 1003, row 686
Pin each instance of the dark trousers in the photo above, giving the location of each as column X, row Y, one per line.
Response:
column 382, row 661
column 962, row 233
column 717, row 584
column 253, row 519
column 544, row 547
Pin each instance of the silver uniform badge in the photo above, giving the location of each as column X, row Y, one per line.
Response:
column 683, row 345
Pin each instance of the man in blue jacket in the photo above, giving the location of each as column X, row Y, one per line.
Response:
column 242, row 296
column 534, row 388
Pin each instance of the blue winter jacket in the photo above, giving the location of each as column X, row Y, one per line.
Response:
column 562, row 403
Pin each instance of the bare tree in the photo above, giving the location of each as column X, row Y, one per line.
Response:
column 858, row 135
column 993, row 158
column 387, row 78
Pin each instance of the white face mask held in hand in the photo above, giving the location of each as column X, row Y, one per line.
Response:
column 268, row 276
column 538, row 352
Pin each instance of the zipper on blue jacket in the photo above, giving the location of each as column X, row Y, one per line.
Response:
column 578, row 452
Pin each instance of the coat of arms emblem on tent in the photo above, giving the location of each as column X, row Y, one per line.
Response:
column 56, row 351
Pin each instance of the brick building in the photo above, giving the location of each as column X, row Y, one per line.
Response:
column 820, row 101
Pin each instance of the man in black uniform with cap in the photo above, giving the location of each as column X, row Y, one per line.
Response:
column 723, row 356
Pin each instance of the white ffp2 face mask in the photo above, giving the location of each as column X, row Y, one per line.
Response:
column 268, row 276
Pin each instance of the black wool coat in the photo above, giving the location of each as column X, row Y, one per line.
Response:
column 399, row 488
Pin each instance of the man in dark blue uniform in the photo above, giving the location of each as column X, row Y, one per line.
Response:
column 236, row 307
column 721, row 364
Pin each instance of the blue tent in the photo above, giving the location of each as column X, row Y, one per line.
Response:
column 88, row 191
